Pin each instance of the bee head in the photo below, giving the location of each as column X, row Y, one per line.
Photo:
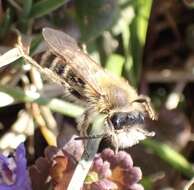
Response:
column 121, row 119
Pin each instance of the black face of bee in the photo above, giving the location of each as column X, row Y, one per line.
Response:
column 120, row 119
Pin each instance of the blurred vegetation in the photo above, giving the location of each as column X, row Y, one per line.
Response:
column 150, row 43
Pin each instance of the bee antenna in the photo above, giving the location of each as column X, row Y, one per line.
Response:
column 147, row 105
column 90, row 137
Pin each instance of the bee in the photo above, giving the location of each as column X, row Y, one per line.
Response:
column 101, row 91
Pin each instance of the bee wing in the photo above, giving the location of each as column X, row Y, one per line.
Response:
column 82, row 65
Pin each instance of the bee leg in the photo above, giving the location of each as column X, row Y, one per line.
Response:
column 145, row 100
column 113, row 135
column 84, row 121
column 115, row 143
column 148, row 108
column 83, row 124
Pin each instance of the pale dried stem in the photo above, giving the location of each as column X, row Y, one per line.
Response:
column 86, row 161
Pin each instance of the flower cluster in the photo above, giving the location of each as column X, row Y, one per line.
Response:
column 109, row 170
column 113, row 171
column 13, row 171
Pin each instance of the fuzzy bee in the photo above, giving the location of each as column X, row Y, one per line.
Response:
column 101, row 91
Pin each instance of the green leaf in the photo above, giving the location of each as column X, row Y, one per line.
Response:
column 24, row 16
column 169, row 155
column 56, row 105
column 147, row 182
column 27, row 5
column 95, row 16
column 115, row 64
column 136, row 50
column 138, row 31
column 44, row 7
column 35, row 43
column 122, row 28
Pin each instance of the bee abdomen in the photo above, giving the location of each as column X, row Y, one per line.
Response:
column 73, row 80
column 76, row 94
column 76, row 86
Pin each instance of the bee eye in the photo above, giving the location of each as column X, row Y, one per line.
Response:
column 135, row 118
column 130, row 117
column 119, row 119
column 141, row 117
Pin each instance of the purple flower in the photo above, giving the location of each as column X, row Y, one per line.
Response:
column 13, row 172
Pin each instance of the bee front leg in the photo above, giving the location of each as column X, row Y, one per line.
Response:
column 113, row 136
column 85, row 121
column 115, row 142
column 83, row 124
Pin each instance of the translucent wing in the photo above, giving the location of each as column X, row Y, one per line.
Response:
column 82, row 65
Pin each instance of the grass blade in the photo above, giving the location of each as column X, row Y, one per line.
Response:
column 9, row 57
column 169, row 155
column 56, row 105
column 44, row 7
